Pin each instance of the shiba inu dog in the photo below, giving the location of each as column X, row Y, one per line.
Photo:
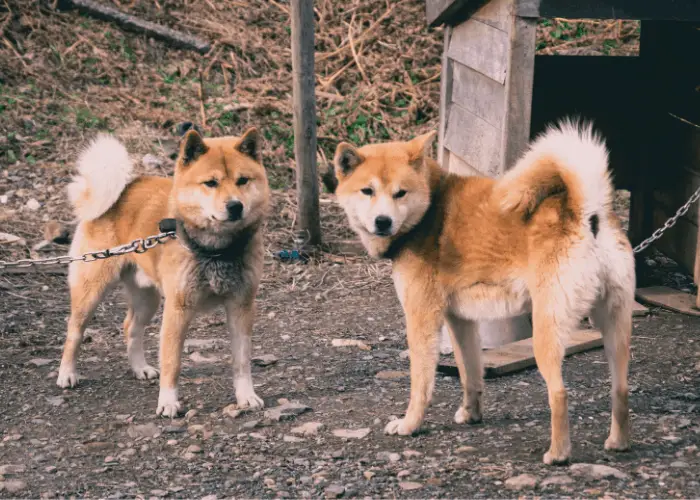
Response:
column 541, row 239
column 219, row 199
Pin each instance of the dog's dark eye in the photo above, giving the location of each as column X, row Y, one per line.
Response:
column 212, row 183
column 368, row 191
column 242, row 181
column 400, row 193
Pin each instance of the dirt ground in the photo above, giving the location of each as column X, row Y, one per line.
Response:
column 63, row 77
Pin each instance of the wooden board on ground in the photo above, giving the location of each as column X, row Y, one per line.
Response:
column 639, row 310
column 668, row 298
column 518, row 356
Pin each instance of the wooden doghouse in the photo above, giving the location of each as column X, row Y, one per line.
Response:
column 496, row 94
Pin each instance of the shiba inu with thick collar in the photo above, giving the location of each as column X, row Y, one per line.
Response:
column 219, row 199
column 541, row 239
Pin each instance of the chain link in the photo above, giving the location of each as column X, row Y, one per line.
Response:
column 140, row 245
column 143, row 245
column 669, row 223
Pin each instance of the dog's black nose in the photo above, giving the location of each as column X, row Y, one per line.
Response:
column 234, row 209
column 383, row 224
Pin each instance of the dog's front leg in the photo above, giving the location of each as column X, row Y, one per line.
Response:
column 176, row 319
column 423, row 330
column 239, row 314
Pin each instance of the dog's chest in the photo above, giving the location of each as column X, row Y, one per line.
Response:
column 223, row 277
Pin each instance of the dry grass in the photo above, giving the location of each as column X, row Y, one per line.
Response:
column 64, row 76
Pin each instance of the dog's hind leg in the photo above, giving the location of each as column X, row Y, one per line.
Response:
column 467, row 351
column 89, row 282
column 143, row 304
column 612, row 314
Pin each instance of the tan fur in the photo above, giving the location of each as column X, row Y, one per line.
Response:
column 173, row 270
column 470, row 249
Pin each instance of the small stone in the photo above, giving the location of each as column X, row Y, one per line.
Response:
column 386, row 456
column 334, row 491
column 292, row 439
column 197, row 357
column 350, row 343
column 465, row 449
column 368, row 474
column 680, row 464
column 11, row 238
column 33, row 205
column 171, row 442
column 521, row 482
column 286, row 411
column 559, row 480
column 434, row 481
column 159, row 493
column 193, row 448
column 411, row 453
column 8, row 470
column 404, row 354
column 148, row 430
column 13, row 486
column 257, row 435
column 410, row 485
column 403, row 473
column 269, row 482
column 251, row 425
column 308, row 429
column 209, row 497
column 596, row 471
column 109, row 459
column 151, row 161
column 264, row 360
column 39, row 362
column 174, row 429
column 351, row 433
column 50, row 469
column 191, row 414
column 56, row 400
column 391, row 374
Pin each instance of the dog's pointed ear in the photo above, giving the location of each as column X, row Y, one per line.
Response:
column 249, row 143
column 192, row 147
column 419, row 148
column 347, row 158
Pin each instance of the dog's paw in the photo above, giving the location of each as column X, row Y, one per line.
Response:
column 617, row 444
column 401, row 427
column 465, row 416
column 67, row 378
column 168, row 404
column 145, row 372
column 554, row 458
column 247, row 399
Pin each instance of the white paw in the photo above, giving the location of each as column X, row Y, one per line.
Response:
column 246, row 398
column 67, row 378
column 168, row 404
column 462, row 415
column 399, row 426
column 145, row 372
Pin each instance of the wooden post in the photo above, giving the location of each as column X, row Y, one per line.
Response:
column 304, row 102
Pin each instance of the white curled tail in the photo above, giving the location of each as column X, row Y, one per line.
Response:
column 104, row 170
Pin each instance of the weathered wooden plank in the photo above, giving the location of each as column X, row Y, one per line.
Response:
column 474, row 139
column 446, row 88
column 304, row 107
column 639, row 310
column 668, row 10
column 481, row 47
column 518, row 100
column 450, row 12
column 479, row 94
column 678, row 242
column 495, row 13
column 458, row 166
column 668, row 298
column 519, row 355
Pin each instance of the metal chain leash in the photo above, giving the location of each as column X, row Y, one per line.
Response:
column 140, row 245
column 669, row 223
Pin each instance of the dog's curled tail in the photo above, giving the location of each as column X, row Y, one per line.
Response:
column 104, row 170
column 568, row 158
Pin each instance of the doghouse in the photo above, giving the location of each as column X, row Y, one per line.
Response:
column 496, row 94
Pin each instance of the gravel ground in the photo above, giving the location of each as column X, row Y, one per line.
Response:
column 104, row 440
